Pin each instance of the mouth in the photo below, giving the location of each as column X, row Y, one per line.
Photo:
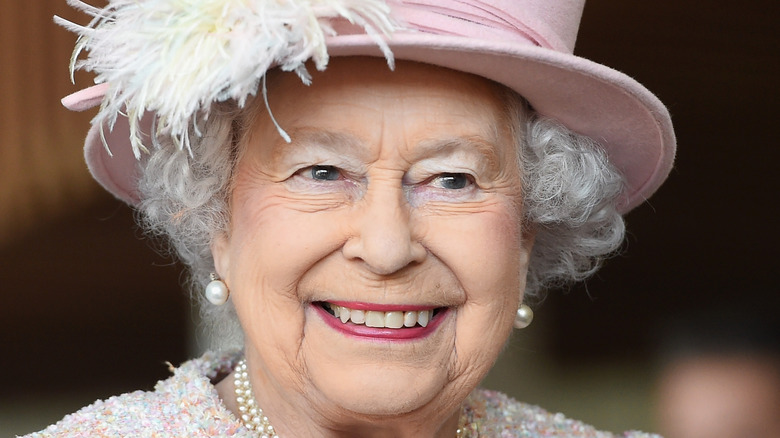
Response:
column 381, row 321
column 395, row 319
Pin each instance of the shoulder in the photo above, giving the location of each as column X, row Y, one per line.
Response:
column 495, row 414
column 186, row 404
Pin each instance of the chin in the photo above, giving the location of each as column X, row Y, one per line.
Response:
column 369, row 390
column 370, row 378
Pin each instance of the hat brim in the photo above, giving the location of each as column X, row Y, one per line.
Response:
column 591, row 99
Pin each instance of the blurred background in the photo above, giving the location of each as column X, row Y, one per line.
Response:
column 89, row 309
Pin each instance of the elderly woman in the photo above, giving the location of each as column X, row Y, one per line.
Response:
column 366, row 232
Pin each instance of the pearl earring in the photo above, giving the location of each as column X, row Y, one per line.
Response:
column 217, row 291
column 523, row 317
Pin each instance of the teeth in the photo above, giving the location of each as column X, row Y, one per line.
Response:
column 358, row 316
column 410, row 319
column 424, row 318
column 345, row 314
column 372, row 318
column 375, row 319
column 394, row 319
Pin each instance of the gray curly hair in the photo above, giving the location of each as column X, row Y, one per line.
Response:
column 570, row 196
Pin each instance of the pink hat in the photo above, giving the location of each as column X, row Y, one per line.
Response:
column 524, row 44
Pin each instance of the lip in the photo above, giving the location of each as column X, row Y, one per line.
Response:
column 381, row 334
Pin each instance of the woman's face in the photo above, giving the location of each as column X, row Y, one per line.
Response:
column 396, row 204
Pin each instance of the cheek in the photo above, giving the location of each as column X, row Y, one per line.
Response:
column 281, row 237
column 483, row 250
column 485, row 253
column 272, row 245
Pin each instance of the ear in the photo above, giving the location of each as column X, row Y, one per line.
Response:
column 526, row 247
column 220, row 252
column 528, row 237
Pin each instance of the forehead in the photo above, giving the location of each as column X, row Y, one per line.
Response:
column 416, row 104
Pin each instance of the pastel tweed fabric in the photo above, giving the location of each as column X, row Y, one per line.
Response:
column 187, row 404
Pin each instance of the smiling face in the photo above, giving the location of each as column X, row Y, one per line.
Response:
column 377, row 260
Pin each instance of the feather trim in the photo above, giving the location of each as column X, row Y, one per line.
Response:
column 177, row 57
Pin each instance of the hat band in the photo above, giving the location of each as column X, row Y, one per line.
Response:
column 475, row 19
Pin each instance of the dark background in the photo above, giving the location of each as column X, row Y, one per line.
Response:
column 86, row 302
column 707, row 241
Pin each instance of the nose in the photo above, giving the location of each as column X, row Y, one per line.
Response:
column 384, row 238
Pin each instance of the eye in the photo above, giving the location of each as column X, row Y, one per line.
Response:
column 452, row 181
column 322, row 173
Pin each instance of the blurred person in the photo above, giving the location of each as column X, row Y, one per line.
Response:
column 721, row 378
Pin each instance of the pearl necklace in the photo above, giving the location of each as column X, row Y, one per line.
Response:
column 251, row 414
column 253, row 417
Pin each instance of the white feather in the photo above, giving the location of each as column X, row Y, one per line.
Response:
column 177, row 57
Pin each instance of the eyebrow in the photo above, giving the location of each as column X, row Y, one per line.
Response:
column 350, row 145
column 472, row 145
column 339, row 142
